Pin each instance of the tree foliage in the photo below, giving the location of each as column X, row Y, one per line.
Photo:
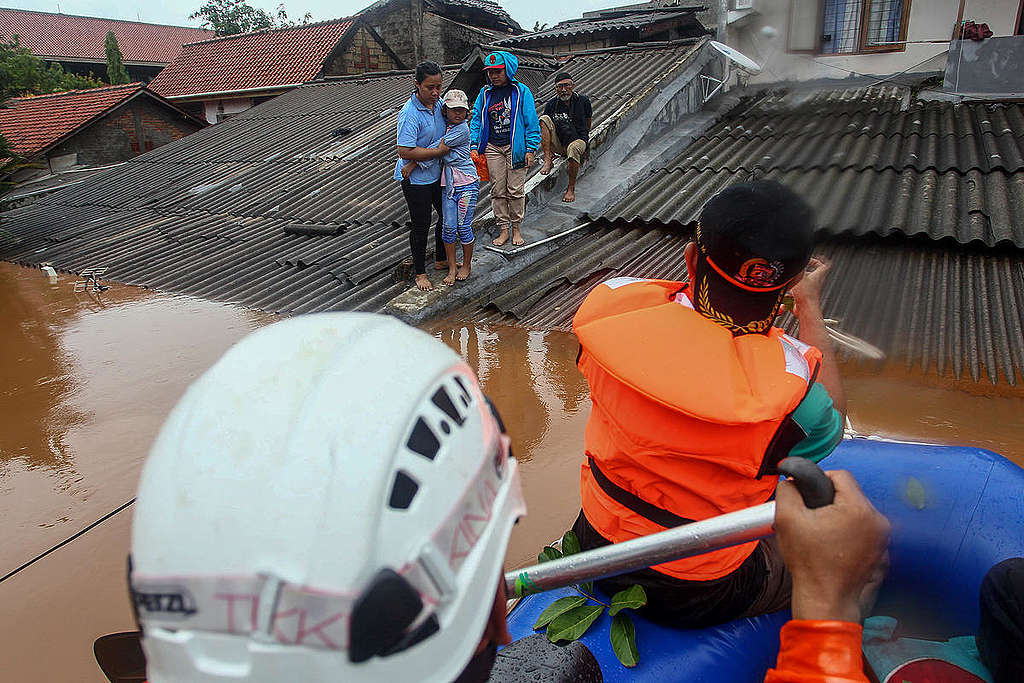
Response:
column 22, row 73
column 229, row 17
column 116, row 73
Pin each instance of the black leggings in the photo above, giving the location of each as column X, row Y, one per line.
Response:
column 420, row 198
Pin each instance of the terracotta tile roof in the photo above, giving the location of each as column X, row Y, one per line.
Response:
column 31, row 124
column 263, row 59
column 72, row 37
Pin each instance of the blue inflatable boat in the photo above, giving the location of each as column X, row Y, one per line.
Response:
column 955, row 513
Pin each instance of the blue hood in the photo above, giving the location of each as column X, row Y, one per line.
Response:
column 511, row 63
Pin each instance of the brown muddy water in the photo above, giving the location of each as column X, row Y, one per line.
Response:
column 88, row 379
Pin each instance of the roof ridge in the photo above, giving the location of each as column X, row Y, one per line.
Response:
column 123, row 86
column 279, row 29
column 85, row 16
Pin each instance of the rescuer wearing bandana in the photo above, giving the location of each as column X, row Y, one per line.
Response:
column 697, row 397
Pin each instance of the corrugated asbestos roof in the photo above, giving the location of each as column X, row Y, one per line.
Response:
column 865, row 161
column 873, row 165
column 616, row 21
column 946, row 310
column 72, row 37
column 289, row 206
column 263, row 59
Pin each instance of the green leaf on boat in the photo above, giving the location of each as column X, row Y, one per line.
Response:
column 574, row 623
column 623, row 635
column 570, row 544
column 916, row 495
column 559, row 606
column 631, row 598
column 548, row 554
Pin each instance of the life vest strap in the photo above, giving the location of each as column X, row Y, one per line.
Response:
column 630, row 500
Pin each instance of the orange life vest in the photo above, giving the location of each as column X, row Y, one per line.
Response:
column 683, row 414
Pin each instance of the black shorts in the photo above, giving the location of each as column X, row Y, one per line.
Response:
column 758, row 586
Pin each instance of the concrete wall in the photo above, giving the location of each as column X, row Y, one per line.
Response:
column 764, row 37
column 134, row 128
column 415, row 34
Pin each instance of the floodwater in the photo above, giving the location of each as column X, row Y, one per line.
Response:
column 88, row 379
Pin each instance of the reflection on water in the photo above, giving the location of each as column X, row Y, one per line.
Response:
column 87, row 381
column 531, row 377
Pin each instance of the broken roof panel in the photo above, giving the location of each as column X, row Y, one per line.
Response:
column 867, row 162
column 70, row 37
column 251, row 61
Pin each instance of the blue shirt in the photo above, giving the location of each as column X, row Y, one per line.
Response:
column 419, row 126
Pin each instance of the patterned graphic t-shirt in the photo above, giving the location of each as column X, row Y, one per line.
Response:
column 499, row 115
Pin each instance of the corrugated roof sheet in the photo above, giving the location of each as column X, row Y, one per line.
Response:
column 616, row 21
column 31, row 124
column 72, row 37
column 262, row 59
column 946, row 310
column 289, row 206
column 866, row 162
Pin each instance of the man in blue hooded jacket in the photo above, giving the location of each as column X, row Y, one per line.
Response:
column 505, row 129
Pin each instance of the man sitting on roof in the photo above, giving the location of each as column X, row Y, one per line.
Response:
column 696, row 397
column 565, row 130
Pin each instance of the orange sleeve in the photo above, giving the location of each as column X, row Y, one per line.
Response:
column 819, row 652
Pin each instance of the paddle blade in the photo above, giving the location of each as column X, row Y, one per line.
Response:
column 120, row 657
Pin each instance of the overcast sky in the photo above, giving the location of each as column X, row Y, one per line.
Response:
column 526, row 12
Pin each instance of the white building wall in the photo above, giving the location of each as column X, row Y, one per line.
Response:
column 225, row 107
column 763, row 36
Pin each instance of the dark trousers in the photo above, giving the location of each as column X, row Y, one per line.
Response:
column 420, row 199
column 758, row 586
column 1001, row 631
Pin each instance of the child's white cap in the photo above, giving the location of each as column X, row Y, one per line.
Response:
column 454, row 99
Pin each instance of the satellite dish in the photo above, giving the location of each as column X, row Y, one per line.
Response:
column 744, row 62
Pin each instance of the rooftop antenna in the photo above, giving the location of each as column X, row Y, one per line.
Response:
column 733, row 58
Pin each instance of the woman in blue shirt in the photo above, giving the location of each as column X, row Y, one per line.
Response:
column 421, row 123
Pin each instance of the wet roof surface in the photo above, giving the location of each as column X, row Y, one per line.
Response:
column 920, row 208
column 865, row 161
column 288, row 207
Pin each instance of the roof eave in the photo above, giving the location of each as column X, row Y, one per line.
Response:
column 244, row 92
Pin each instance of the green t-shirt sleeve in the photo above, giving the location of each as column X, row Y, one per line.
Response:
column 821, row 422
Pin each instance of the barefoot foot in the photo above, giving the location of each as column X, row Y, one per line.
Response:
column 423, row 283
column 463, row 273
column 546, row 168
column 569, row 196
column 449, row 279
column 517, row 238
column 501, row 238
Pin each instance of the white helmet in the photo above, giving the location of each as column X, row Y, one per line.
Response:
column 331, row 501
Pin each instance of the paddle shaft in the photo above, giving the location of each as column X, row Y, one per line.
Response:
column 691, row 539
column 695, row 538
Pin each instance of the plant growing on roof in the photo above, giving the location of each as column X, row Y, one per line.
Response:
column 570, row 617
column 116, row 73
